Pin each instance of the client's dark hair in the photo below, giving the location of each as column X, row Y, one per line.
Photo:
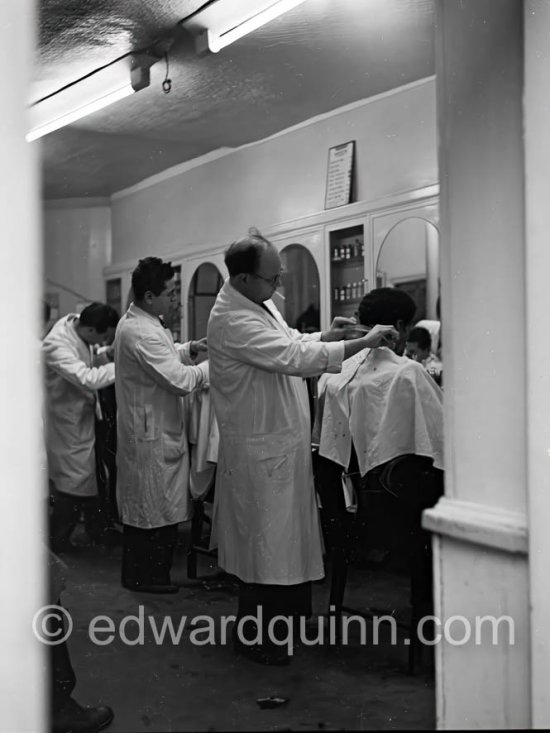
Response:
column 386, row 306
column 421, row 336
column 99, row 316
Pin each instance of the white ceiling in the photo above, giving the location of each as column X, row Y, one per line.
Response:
column 315, row 58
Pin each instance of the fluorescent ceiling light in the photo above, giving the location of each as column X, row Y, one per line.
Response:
column 219, row 25
column 87, row 95
column 76, row 114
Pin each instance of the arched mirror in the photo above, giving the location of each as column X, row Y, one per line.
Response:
column 409, row 259
column 205, row 285
column 298, row 297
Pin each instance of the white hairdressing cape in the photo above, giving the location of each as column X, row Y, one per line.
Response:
column 265, row 518
column 152, row 449
column 386, row 405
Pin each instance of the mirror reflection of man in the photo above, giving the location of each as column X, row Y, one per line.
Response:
column 419, row 348
column 266, row 521
column 71, row 385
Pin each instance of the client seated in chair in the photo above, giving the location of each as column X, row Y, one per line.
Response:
column 380, row 421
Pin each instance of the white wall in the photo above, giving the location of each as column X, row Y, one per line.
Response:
column 281, row 178
column 77, row 247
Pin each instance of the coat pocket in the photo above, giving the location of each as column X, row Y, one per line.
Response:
column 272, row 457
column 276, row 468
column 173, row 447
column 145, row 424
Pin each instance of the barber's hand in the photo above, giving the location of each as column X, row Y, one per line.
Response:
column 337, row 330
column 381, row 336
column 104, row 355
column 196, row 347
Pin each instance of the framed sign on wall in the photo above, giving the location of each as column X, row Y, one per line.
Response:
column 340, row 175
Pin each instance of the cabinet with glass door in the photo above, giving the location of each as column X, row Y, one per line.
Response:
column 347, row 270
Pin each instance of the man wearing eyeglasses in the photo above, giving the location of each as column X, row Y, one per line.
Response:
column 265, row 519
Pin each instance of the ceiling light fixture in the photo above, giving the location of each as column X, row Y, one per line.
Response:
column 219, row 25
column 91, row 93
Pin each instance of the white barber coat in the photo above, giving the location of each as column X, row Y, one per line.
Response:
column 71, row 383
column 265, row 516
column 152, row 450
column 387, row 405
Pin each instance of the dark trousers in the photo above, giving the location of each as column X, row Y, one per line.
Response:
column 105, row 453
column 147, row 555
column 274, row 600
column 62, row 676
column 64, row 516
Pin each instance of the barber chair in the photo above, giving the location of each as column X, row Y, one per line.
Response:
column 403, row 488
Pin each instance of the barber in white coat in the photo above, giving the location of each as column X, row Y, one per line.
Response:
column 71, row 384
column 152, row 373
column 266, row 520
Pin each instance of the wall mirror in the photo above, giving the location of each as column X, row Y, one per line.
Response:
column 409, row 259
column 298, row 297
column 203, row 289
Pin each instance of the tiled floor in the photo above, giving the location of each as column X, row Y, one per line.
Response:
column 180, row 686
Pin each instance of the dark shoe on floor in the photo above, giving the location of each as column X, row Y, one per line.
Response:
column 73, row 718
column 151, row 588
column 267, row 654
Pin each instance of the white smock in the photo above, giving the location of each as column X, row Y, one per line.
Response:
column 71, row 383
column 152, row 449
column 266, row 520
column 386, row 405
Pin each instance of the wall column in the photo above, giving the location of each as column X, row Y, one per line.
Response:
column 22, row 495
column 480, row 526
column 537, row 195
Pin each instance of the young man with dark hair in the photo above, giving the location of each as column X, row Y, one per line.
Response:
column 419, row 348
column 419, row 344
column 71, row 384
column 381, row 421
column 152, row 374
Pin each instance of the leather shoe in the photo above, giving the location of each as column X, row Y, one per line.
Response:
column 266, row 654
column 73, row 718
column 151, row 588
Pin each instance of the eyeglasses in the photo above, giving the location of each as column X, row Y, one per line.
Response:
column 273, row 281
